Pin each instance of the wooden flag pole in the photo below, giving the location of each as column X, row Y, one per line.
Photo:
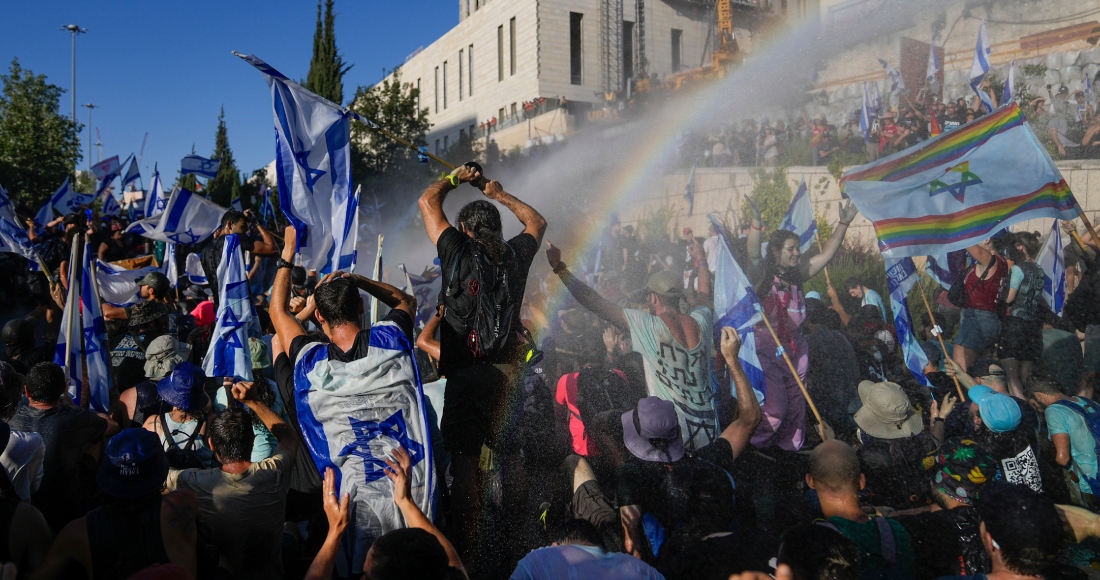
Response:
column 1088, row 224
column 939, row 336
column 794, row 371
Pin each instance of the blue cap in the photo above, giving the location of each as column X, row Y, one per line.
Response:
column 813, row 294
column 183, row 388
column 134, row 465
column 999, row 411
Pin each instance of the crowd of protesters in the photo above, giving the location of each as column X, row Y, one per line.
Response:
column 1067, row 123
column 611, row 434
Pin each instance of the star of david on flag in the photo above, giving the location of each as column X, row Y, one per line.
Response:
column 228, row 355
column 198, row 165
column 187, row 219
column 368, row 432
column 94, row 332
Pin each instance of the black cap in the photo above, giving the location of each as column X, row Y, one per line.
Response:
column 981, row 368
column 1017, row 517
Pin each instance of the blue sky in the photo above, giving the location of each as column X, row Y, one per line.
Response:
column 164, row 67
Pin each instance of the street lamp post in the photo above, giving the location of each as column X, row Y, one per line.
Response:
column 74, row 30
column 90, row 107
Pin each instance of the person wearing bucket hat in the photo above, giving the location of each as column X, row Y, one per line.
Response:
column 892, row 440
column 163, row 355
column 676, row 347
column 181, row 429
column 139, row 527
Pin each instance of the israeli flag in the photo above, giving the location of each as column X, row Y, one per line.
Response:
column 354, row 414
column 186, row 219
column 901, row 275
column 193, row 269
column 800, row 219
column 155, row 200
column 689, row 191
column 736, row 306
column 266, row 210
column 67, row 353
column 132, row 173
column 312, row 160
column 110, row 205
column 343, row 254
column 1053, row 262
column 1009, row 93
column 63, row 201
column 118, row 286
column 202, row 166
column 13, row 238
column 228, row 355
column 897, row 83
column 980, row 67
column 94, row 331
column 169, row 267
column 235, row 203
column 865, row 116
column 426, row 289
column 944, row 268
column 933, row 64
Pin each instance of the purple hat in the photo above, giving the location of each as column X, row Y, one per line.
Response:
column 651, row 431
column 134, row 465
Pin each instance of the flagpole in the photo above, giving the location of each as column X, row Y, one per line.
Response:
column 76, row 259
column 404, row 142
column 377, row 278
column 794, row 371
column 938, row 332
column 41, row 264
column 1088, row 224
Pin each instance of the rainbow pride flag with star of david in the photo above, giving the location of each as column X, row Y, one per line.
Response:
column 959, row 188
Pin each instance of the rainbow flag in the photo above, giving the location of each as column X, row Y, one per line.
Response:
column 957, row 189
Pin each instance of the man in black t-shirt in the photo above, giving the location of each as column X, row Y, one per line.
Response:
column 234, row 222
column 147, row 321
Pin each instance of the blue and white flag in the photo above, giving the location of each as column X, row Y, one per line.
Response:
column 110, row 205
column 118, row 286
column 689, row 191
column 63, row 201
column 193, row 268
column 933, row 64
column 353, row 415
column 426, row 289
column 901, row 275
column 980, row 67
column 66, row 352
column 865, row 116
column 13, row 238
column 736, row 306
column 267, row 210
column 897, row 83
column 94, row 331
column 944, row 268
column 235, row 203
column 170, row 268
column 187, row 219
column 202, row 166
column 1009, row 92
column 155, row 200
column 106, row 172
column 312, row 163
column 800, row 219
column 132, row 173
column 228, row 355
column 343, row 254
column 1053, row 262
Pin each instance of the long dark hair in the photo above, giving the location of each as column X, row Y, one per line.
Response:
column 482, row 220
column 772, row 269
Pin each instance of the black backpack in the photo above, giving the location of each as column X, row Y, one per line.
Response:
column 599, row 390
column 479, row 301
column 186, row 457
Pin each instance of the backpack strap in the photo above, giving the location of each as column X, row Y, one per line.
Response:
column 451, row 285
column 190, row 445
column 888, row 543
column 167, row 431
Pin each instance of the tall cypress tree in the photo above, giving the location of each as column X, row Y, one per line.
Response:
column 326, row 68
column 227, row 183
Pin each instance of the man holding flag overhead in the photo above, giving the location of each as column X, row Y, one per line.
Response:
column 359, row 395
column 239, row 224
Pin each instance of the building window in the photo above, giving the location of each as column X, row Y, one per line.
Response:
column 500, row 53
column 444, row 143
column 515, row 113
column 417, row 97
column 677, row 41
column 436, row 89
column 472, row 127
column 500, row 115
column 461, row 77
column 512, row 46
column 576, row 48
column 628, row 52
column 444, row 91
column 461, row 135
column 437, row 146
column 470, row 55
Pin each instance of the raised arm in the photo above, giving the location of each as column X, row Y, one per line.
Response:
column 739, row 432
column 848, row 212
column 267, row 245
column 982, row 255
column 287, row 327
column 431, row 201
column 427, row 341
column 385, row 293
column 338, row 513
column 287, row 438
column 588, row 297
column 398, row 472
column 532, row 220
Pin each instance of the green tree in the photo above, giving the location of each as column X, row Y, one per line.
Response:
column 772, row 194
column 39, row 147
column 326, row 68
column 250, row 190
column 378, row 161
column 227, row 183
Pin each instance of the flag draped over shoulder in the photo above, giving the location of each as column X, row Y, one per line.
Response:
column 186, row 219
column 736, row 305
column 312, row 164
column 800, row 219
column 901, row 276
column 957, row 189
column 228, row 355
column 94, row 332
column 1053, row 262
column 118, row 286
